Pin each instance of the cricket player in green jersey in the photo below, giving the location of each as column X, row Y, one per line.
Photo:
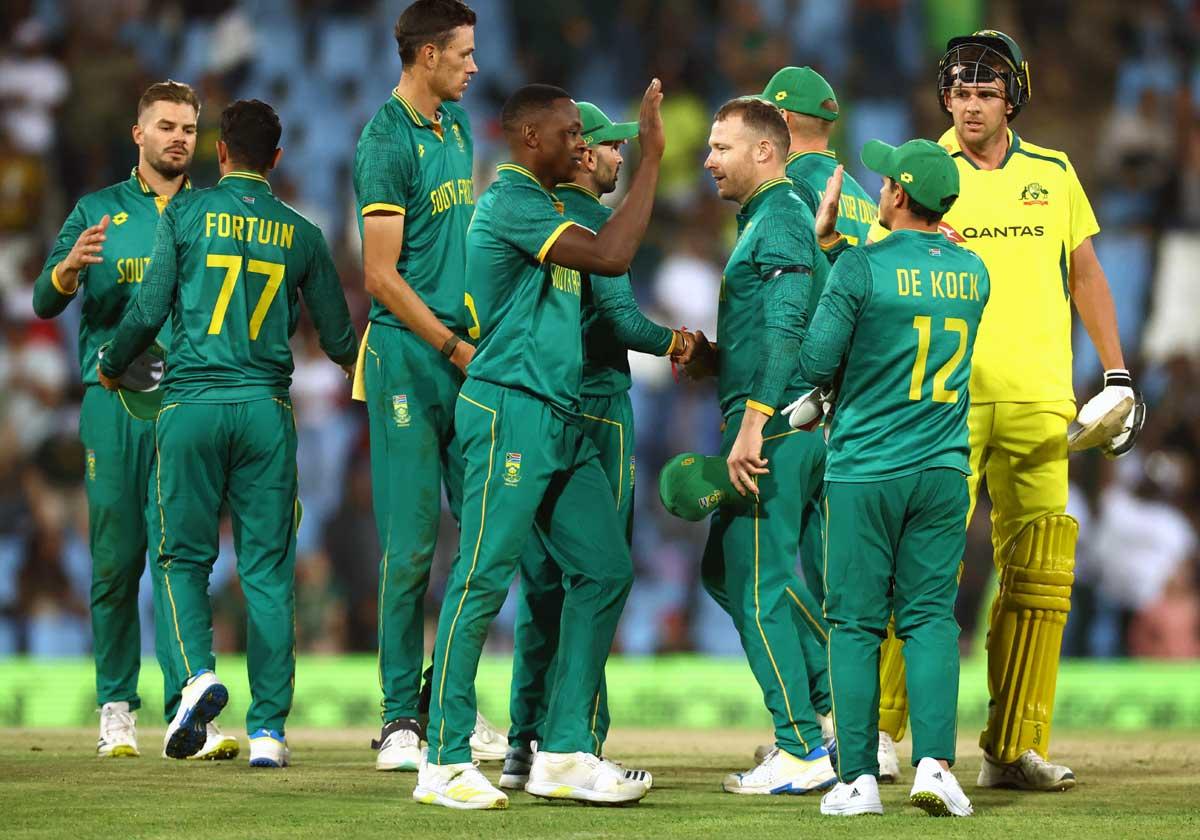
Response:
column 897, row 323
column 228, row 267
column 102, row 251
column 415, row 196
column 531, row 470
column 749, row 564
column 612, row 325
column 810, row 108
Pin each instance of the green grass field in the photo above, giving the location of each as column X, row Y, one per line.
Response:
column 51, row 785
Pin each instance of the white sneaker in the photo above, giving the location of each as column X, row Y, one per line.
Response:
column 781, row 772
column 1029, row 772
column 631, row 775
column 217, row 745
column 889, row 761
column 828, row 734
column 203, row 699
column 399, row 748
column 459, row 786
column 847, row 800
column 936, row 792
column 515, row 774
column 583, row 777
column 487, row 742
column 269, row 748
column 118, row 731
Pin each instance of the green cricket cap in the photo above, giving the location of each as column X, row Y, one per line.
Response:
column 598, row 128
column 692, row 486
column 922, row 168
column 803, row 90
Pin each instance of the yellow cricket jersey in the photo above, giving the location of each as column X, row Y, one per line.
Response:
column 1024, row 219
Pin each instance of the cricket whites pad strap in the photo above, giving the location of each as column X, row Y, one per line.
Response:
column 1025, row 636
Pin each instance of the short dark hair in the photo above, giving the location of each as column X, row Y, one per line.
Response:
column 429, row 22
column 919, row 210
column 251, row 130
column 759, row 116
column 168, row 91
column 527, row 101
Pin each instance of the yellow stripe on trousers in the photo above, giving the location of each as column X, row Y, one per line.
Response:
column 470, row 573
column 787, row 703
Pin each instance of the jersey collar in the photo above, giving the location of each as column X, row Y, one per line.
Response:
column 139, row 183
column 756, row 198
column 949, row 142
column 794, row 156
column 581, row 189
column 419, row 119
column 247, row 179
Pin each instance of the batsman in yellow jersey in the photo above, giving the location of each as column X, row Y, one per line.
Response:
column 1022, row 209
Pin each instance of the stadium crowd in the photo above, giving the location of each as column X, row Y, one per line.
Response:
column 1118, row 88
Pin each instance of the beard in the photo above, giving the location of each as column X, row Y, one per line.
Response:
column 167, row 168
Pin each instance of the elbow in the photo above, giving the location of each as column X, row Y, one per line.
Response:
column 373, row 282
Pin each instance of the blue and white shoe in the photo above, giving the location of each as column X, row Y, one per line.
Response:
column 783, row 773
column 268, row 748
column 202, row 700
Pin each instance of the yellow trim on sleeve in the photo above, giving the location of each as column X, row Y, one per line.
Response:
column 762, row 408
column 382, row 205
column 837, row 240
column 674, row 341
column 358, row 390
column 58, row 285
column 549, row 243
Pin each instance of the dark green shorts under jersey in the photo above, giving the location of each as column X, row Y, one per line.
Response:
column 894, row 544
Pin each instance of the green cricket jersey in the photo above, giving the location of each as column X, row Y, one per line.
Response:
column 612, row 322
column 405, row 165
column 109, row 286
column 775, row 230
column 529, row 309
column 228, row 265
column 809, row 172
column 899, row 318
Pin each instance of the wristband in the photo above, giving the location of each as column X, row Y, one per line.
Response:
column 1117, row 378
column 450, row 344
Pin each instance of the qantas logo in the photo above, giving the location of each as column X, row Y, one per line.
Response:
column 1003, row 231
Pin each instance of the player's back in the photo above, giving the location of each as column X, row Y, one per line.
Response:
column 902, row 404
column 242, row 255
column 809, row 171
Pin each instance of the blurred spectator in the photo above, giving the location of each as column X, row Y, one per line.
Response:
column 33, row 84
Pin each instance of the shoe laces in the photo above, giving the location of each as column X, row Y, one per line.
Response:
column 484, row 731
column 116, row 724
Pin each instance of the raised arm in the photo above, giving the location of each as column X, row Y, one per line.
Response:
column 610, row 252
column 78, row 245
column 828, row 337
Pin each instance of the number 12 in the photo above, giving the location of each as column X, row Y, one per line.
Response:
column 923, row 325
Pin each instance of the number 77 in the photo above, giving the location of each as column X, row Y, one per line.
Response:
column 233, row 267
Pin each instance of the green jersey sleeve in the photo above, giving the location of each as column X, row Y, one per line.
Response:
column 322, row 291
column 48, row 297
column 384, row 175
column 784, row 256
column 524, row 218
column 152, row 305
column 613, row 297
column 844, row 297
